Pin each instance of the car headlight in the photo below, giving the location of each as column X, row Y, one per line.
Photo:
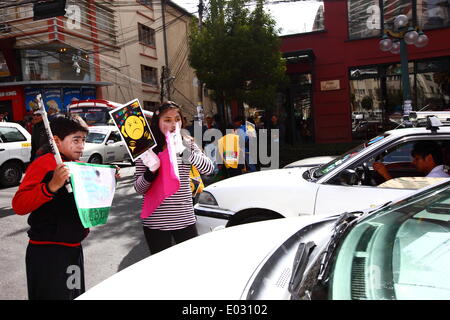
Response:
column 207, row 199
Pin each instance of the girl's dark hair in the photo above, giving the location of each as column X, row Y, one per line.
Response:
column 154, row 125
column 67, row 124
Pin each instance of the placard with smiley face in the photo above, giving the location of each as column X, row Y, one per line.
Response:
column 133, row 128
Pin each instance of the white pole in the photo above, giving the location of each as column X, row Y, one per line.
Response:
column 50, row 136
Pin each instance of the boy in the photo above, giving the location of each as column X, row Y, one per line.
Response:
column 54, row 258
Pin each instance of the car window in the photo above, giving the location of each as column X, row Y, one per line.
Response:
column 115, row 136
column 333, row 164
column 11, row 134
column 95, row 137
column 401, row 153
column 401, row 252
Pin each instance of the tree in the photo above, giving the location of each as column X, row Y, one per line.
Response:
column 236, row 53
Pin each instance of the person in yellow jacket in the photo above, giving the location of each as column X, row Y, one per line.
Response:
column 230, row 152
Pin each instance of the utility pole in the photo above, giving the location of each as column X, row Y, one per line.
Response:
column 166, row 70
column 199, row 83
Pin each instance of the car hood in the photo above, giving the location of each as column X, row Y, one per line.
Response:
column 279, row 185
column 311, row 162
column 216, row 265
column 260, row 177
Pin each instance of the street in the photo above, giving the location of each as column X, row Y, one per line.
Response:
column 107, row 250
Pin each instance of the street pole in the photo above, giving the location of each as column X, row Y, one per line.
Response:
column 407, row 108
column 166, row 74
column 199, row 83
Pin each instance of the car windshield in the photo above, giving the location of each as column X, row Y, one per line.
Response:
column 330, row 166
column 95, row 137
column 399, row 252
column 96, row 118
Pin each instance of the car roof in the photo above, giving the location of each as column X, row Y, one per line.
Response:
column 102, row 129
column 94, row 102
column 18, row 126
column 408, row 131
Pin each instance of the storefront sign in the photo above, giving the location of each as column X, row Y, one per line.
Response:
column 330, row 85
column 8, row 94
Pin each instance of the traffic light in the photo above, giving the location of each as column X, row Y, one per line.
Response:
column 49, row 9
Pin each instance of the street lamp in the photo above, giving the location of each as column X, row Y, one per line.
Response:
column 395, row 42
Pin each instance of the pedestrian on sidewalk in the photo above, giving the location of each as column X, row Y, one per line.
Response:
column 54, row 257
column 174, row 217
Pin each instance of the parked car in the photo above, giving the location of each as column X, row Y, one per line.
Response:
column 397, row 251
column 104, row 144
column 15, row 150
column 346, row 183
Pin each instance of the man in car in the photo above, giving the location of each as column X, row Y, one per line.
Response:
column 427, row 158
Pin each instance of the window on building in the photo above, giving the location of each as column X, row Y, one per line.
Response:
column 4, row 70
column 149, row 75
column 148, row 3
column 393, row 8
column 433, row 13
column 150, row 105
column 146, row 35
column 376, row 94
column 364, row 18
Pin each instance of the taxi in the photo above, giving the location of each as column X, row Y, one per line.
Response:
column 104, row 144
column 15, row 150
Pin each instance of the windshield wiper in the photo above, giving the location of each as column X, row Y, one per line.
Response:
column 342, row 225
column 301, row 259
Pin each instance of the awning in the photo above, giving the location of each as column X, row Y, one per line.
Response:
column 306, row 55
column 52, row 83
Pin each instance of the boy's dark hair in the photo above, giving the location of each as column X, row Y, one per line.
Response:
column 424, row 148
column 67, row 124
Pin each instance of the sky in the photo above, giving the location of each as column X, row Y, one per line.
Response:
column 291, row 17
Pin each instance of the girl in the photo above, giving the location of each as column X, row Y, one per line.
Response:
column 175, row 215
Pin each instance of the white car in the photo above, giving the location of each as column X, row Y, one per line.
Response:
column 15, row 150
column 344, row 184
column 398, row 251
column 104, row 144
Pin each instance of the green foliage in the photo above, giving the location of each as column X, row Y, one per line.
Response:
column 236, row 53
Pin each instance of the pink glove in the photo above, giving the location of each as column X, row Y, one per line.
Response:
column 151, row 160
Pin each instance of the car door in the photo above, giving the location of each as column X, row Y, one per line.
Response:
column 14, row 144
column 334, row 197
column 115, row 147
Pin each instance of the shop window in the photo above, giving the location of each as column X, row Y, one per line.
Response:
column 363, row 18
column 433, row 13
column 433, row 84
column 62, row 64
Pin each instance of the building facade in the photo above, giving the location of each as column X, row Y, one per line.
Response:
column 344, row 87
column 114, row 50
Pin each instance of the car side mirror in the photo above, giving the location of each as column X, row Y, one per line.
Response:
column 348, row 177
column 109, row 142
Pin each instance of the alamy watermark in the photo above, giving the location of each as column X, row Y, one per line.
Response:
column 254, row 149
